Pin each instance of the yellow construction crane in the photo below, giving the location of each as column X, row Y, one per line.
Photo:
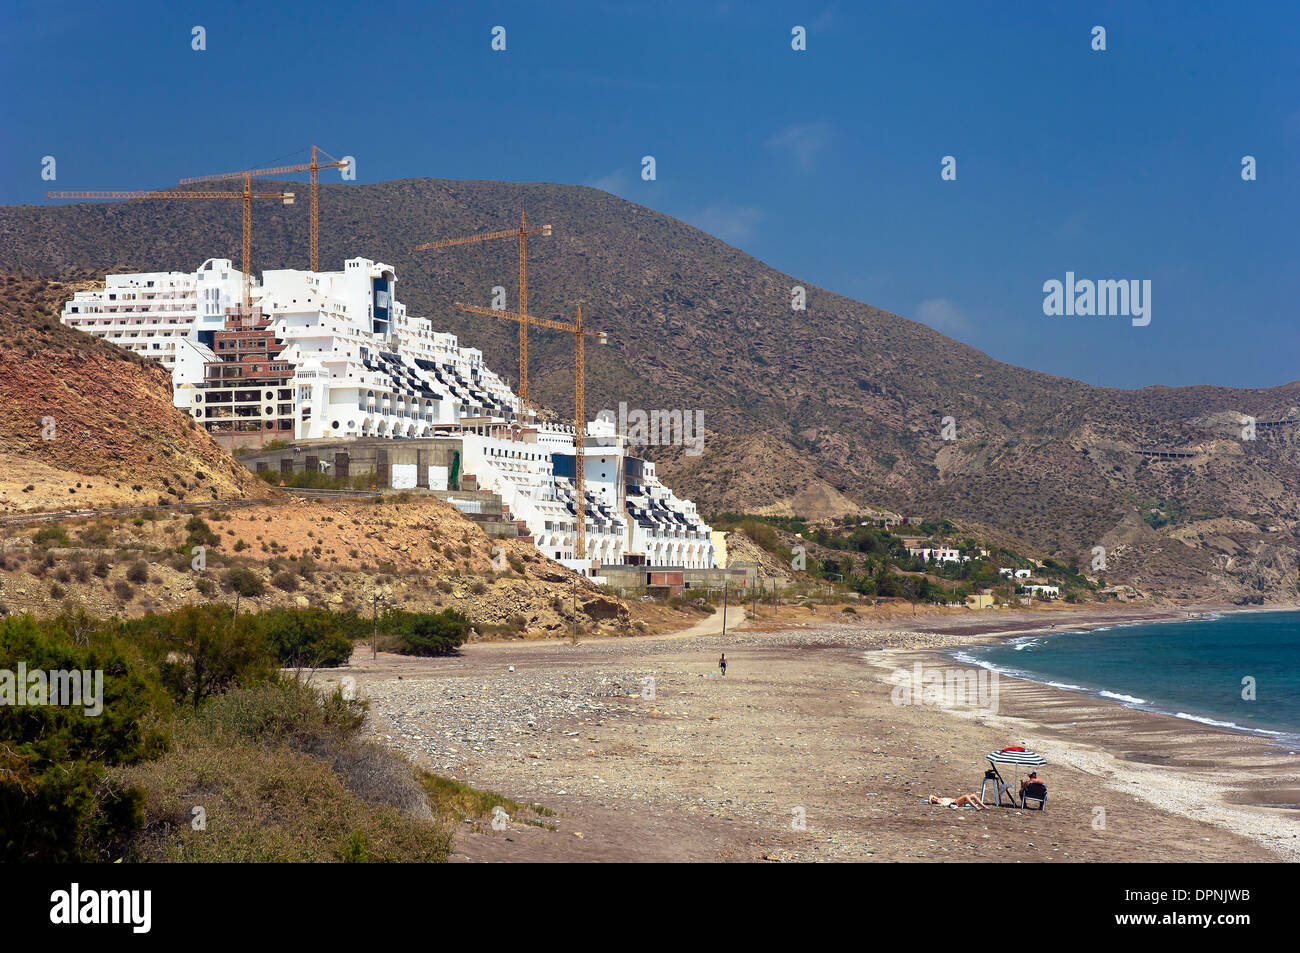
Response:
column 247, row 195
column 521, row 233
column 314, row 167
column 580, row 334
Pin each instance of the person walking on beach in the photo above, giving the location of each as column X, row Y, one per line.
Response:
column 722, row 663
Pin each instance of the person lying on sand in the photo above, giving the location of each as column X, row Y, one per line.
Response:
column 965, row 800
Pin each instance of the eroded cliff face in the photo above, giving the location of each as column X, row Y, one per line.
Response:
column 86, row 424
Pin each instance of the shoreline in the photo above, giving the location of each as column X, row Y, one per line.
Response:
column 1234, row 778
column 712, row 767
column 1289, row 740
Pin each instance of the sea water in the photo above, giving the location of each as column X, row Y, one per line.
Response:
column 1237, row 670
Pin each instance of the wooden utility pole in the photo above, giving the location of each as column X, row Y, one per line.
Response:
column 725, row 585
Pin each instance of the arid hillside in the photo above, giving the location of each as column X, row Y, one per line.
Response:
column 418, row 555
column 86, row 424
column 818, row 412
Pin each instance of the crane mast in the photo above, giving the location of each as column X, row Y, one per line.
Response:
column 580, row 334
column 521, row 235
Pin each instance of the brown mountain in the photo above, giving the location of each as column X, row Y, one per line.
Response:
column 813, row 412
column 84, row 423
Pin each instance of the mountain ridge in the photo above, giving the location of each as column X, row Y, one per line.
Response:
column 842, row 401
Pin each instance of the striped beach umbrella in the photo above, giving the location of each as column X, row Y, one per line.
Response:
column 1016, row 756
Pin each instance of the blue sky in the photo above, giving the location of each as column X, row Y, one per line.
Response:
column 825, row 163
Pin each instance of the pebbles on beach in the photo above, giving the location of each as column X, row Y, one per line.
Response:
column 700, row 765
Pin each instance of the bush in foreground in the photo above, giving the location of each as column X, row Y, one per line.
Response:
column 281, row 776
column 56, row 803
column 424, row 633
column 278, row 769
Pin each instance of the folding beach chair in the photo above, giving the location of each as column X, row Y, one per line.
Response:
column 1037, row 791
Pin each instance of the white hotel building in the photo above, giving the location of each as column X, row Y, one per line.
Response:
column 361, row 366
column 151, row 314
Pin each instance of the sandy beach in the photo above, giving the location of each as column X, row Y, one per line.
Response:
column 802, row 753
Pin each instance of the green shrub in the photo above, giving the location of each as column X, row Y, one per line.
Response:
column 200, row 534
column 55, row 802
column 423, row 633
column 93, row 536
column 204, row 650
column 138, row 572
column 243, row 581
column 51, row 534
column 312, row 638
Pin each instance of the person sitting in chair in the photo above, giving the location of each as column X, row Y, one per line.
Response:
column 1034, row 789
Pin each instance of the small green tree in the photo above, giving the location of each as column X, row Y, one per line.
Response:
column 243, row 581
column 312, row 638
column 205, row 649
column 425, row 633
